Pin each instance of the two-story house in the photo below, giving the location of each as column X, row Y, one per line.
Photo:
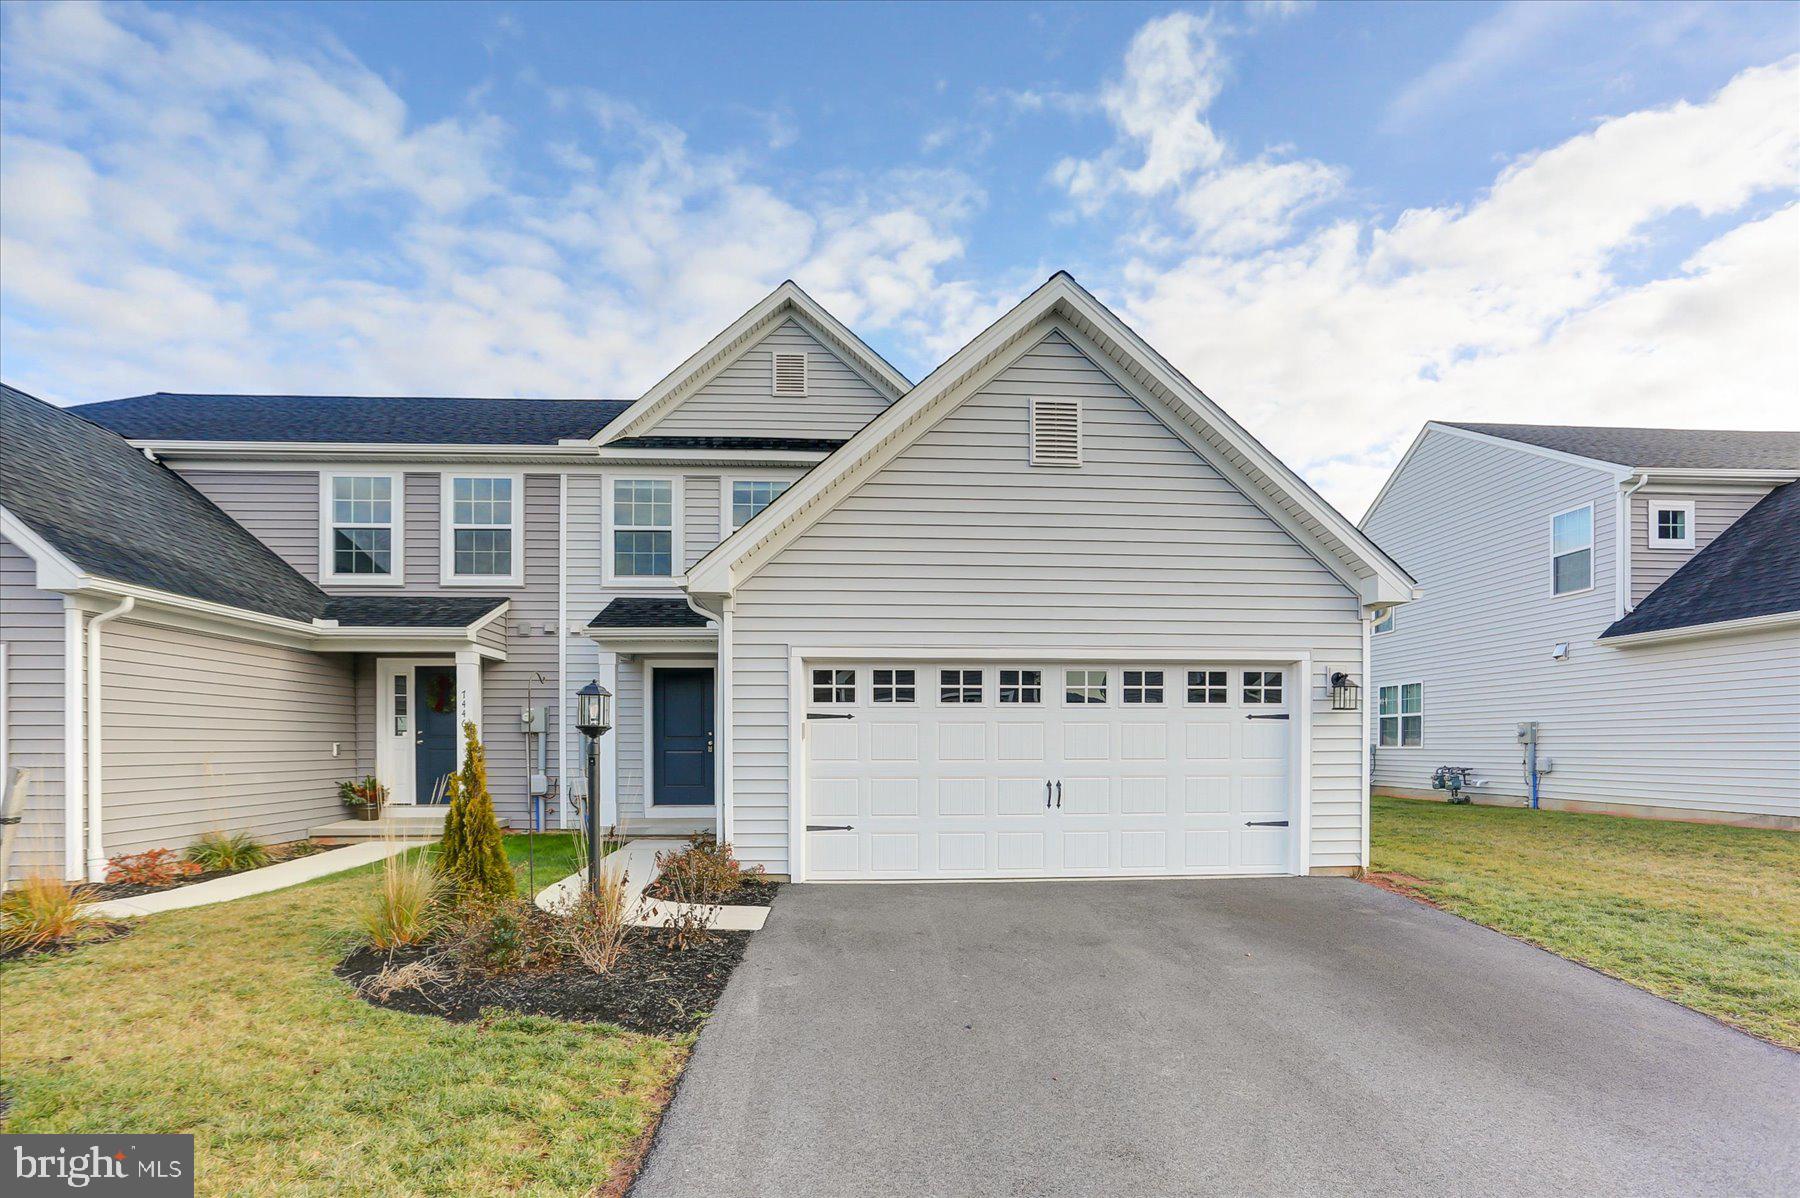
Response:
column 1619, row 605
column 1049, row 612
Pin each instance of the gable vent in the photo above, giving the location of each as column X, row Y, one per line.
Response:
column 790, row 374
column 1056, row 432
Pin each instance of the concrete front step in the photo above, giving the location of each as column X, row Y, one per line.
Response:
column 396, row 823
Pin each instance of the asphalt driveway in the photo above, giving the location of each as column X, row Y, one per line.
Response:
column 1287, row 1036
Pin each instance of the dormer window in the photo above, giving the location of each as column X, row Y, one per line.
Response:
column 789, row 374
column 1671, row 524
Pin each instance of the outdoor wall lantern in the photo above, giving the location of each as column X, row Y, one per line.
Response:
column 593, row 710
column 1345, row 694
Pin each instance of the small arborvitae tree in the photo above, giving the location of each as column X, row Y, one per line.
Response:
column 471, row 855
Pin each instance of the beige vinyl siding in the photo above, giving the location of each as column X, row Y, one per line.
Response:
column 961, row 543
column 1705, row 725
column 31, row 627
column 739, row 402
column 1714, row 512
column 207, row 733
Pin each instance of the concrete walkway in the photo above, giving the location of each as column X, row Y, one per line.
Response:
column 254, row 881
column 1288, row 1036
column 637, row 859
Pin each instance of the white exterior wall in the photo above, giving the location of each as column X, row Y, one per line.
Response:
column 960, row 543
column 31, row 628
column 739, row 400
column 1704, row 725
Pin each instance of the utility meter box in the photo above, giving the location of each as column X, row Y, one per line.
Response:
column 534, row 719
column 1528, row 733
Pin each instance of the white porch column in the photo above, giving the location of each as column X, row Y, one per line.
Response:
column 468, row 698
column 74, row 743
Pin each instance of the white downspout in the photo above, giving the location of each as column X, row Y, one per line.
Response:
column 96, row 842
column 1622, row 544
column 562, row 651
column 722, row 724
column 1368, row 690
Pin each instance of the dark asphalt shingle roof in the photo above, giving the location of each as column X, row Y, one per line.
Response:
column 118, row 515
column 1750, row 569
column 409, row 420
column 1651, row 448
column 648, row 613
column 409, row 611
column 782, row 444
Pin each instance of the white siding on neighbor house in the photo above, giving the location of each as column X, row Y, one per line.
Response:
column 1715, row 510
column 960, row 543
column 739, row 400
column 1706, row 725
column 206, row 733
column 31, row 627
column 700, row 509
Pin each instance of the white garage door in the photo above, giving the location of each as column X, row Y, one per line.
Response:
column 981, row 771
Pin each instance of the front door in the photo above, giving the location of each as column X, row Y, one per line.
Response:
column 681, row 738
column 434, row 742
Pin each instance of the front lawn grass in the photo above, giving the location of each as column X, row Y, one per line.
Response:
column 227, row 1022
column 1705, row 915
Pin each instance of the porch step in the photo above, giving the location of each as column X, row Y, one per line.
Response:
column 396, row 823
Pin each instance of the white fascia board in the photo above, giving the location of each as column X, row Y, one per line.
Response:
column 718, row 573
column 1611, row 469
column 250, row 451
column 54, row 571
column 712, row 356
column 1667, row 477
column 1774, row 620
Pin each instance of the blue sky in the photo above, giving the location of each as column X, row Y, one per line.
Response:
column 1340, row 220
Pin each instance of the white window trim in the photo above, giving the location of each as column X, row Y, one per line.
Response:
column 805, row 373
column 1400, row 714
column 447, row 575
column 652, row 809
column 396, row 575
column 677, row 513
column 1593, row 557
column 726, row 528
column 1656, row 508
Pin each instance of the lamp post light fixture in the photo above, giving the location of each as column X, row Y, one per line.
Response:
column 593, row 719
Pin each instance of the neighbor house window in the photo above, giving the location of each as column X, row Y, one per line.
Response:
column 750, row 496
column 1672, row 524
column 643, row 528
column 959, row 686
column 1572, row 551
column 1084, row 686
column 1206, row 686
column 1402, row 715
column 834, row 686
column 894, row 686
column 1021, row 686
column 362, row 528
column 1262, row 686
column 482, row 528
column 1142, row 686
column 1386, row 622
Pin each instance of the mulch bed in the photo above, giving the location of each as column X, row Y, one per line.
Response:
column 751, row 892
column 653, row 989
column 99, row 892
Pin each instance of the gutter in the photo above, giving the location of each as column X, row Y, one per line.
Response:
column 96, row 844
column 1622, row 545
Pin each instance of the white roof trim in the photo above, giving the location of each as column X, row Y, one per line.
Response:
column 787, row 299
column 1611, row 469
column 1331, row 535
column 1763, row 623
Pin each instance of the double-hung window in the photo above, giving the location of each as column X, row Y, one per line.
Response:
column 750, row 496
column 361, row 542
column 642, row 512
column 1572, row 551
column 1402, row 715
column 482, row 542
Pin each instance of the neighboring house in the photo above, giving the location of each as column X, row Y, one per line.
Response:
column 1634, row 593
column 1050, row 612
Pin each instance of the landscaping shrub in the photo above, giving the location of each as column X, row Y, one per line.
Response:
column 706, row 869
column 42, row 911
column 508, row 936
column 153, row 867
column 228, row 851
column 399, row 979
column 471, row 856
column 688, row 884
column 593, row 929
column 408, row 907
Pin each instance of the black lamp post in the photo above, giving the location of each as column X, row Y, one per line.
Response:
column 593, row 717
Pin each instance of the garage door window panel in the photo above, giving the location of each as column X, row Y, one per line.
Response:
column 1084, row 688
column 1263, row 687
column 834, row 686
column 894, row 686
column 1021, row 686
column 959, row 686
column 1142, row 686
column 1208, row 687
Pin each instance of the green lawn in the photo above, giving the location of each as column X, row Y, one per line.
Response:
column 1707, row 916
column 226, row 1022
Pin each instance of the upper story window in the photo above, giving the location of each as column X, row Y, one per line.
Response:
column 482, row 542
column 1386, row 622
column 641, row 515
column 1572, row 551
column 750, row 496
column 361, row 541
column 1671, row 524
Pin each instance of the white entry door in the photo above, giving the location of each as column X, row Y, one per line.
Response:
column 960, row 770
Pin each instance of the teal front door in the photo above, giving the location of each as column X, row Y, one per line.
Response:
column 434, row 735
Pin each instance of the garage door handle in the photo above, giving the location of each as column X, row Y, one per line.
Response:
column 1046, row 795
column 1059, row 796
column 830, row 828
column 829, row 715
column 1265, row 823
column 1282, row 716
